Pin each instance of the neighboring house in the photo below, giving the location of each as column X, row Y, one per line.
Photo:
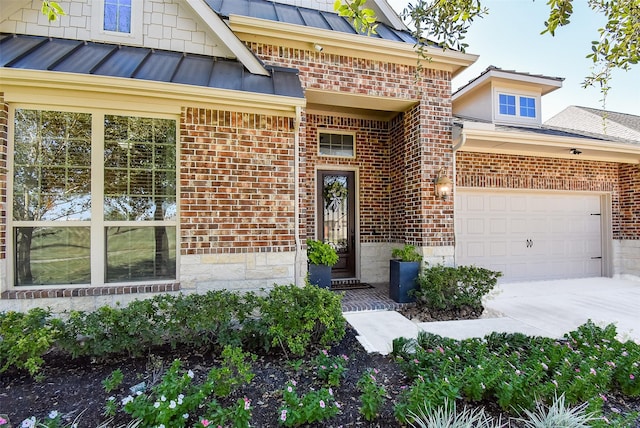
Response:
column 536, row 201
column 194, row 145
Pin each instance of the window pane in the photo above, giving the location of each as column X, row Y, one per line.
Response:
column 117, row 15
column 507, row 104
column 140, row 253
column 140, row 169
column 52, row 255
column 52, row 166
column 336, row 145
column 527, row 107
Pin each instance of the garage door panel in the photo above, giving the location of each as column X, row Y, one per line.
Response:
column 529, row 235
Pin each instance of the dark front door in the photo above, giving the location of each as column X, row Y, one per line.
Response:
column 337, row 218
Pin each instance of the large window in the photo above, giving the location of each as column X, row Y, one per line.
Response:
column 507, row 104
column 94, row 198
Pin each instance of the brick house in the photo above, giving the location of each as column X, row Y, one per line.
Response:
column 192, row 145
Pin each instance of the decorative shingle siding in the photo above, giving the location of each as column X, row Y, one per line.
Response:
column 237, row 186
column 414, row 215
column 536, row 173
column 629, row 201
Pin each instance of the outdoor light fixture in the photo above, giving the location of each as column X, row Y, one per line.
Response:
column 575, row 151
column 318, row 47
column 443, row 185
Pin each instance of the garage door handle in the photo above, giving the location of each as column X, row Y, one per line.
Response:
column 529, row 243
column 594, row 258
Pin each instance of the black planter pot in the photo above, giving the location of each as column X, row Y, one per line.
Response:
column 320, row 275
column 403, row 276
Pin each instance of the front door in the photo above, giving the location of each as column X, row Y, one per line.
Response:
column 337, row 218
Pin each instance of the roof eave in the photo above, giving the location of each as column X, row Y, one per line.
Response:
column 15, row 81
column 248, row 28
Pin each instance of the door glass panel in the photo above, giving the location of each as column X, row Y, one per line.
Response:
column 336, row 207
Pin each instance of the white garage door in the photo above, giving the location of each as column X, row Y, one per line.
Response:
column 529, row 236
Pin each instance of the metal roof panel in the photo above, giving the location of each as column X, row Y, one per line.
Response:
column 194, row 70
column 12, row 47
column 47, row 54
column 160, row 66
column 313, row 18
column 338, row 23
column 227, row 75
column 122, row 62
column 288, row 14
column 263, row 10
column 257, row 83
column 84, row 59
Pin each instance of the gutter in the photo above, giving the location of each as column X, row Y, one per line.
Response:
column 296, row 192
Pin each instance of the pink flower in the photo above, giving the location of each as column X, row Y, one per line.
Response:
column 205, row 422
column 3, row 421
column 289, row 388
column 283, row 416
column 247, row 403
column 604, row 397
column 632, row 377
column 294, row 383
column 322, row 404
column 592, row 371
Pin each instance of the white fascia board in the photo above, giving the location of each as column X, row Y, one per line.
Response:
column 394, row 50
column 551, row 141
column 218, row 27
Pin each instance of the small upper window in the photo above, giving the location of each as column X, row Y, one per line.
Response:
column 527, row 107
column 508, row 104
column 117, row 15
column 337, row 144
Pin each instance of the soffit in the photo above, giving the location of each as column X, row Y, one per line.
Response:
column 383, row 108
column 542, row 143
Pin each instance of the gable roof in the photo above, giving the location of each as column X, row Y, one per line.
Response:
column 546, row 83
column 83, row 57
column 297, row 15
column 591, row 121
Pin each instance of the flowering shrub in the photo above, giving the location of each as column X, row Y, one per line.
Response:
column 330, row 369
column 515, row 370
column 315, row 406
column 372, row 394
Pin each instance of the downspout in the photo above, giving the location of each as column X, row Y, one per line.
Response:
column 461, row 143
column 296, row 195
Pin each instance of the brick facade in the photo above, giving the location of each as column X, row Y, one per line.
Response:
column 535, row 173
column 629, row 202
column 236, row 182
column 397, row 160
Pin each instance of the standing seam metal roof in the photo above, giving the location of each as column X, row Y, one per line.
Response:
column 84, row 57
column 264, row 9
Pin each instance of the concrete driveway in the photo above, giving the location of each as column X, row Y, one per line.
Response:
column 541, row 308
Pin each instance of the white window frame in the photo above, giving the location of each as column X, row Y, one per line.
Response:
column 97, row 224
column 98, row 32
column 337, row 132
column 504, row 118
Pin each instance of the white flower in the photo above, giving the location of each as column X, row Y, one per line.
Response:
column 29, row 423
column 156, row 404
column 163, row 398
column 126, row 400
column 172, row 404
column 186, row 415
column 53, row 414
column 190, row 374
column 161, row 426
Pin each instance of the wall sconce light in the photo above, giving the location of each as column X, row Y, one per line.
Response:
column 318, row 48
column 575, row 151
column 443, row 185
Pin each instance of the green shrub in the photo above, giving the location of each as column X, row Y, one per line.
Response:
column 320, row 253
column 558, row 414
column 300, row 317
column 25, row 338
column 408, row 253
column 372, row 394
column 444, row 288
column 447, row 416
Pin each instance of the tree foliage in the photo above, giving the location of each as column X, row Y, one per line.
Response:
column 446, row 22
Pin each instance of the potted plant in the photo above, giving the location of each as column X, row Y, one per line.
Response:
column 403, row 273
column 320, row 256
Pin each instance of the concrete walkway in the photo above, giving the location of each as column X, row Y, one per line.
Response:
column 541, row 308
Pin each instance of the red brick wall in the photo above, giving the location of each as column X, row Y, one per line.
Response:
column 4, row 121
column 236, row 177
column 527, row 172
column 629, row 201
column 417, row 144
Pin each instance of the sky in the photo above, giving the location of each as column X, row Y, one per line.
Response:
column 509, row 37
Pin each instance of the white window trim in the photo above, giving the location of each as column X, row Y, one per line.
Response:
column 336, row 132
column 506, row 118
column 97, row 223
column 135, row 37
